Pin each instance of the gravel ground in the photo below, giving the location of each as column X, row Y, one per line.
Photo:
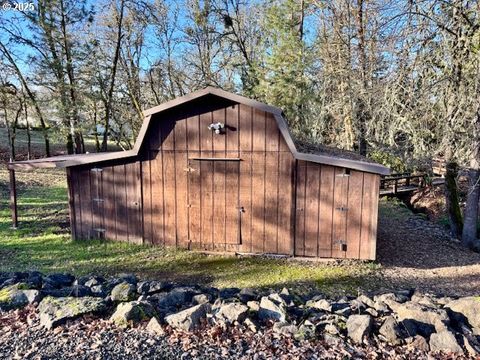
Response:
column 93, row 338
column 416, row 253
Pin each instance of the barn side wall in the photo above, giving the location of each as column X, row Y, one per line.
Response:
column 203, row 212
column 106, row 201
column 336, row 212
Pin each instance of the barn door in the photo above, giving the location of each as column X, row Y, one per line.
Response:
column 214, row 211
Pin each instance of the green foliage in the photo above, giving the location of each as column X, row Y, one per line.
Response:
column 392, row 161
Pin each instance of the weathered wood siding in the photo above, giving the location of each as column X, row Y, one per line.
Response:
column 107, row 202
column 245, row 203
column 253, row 197
column 336, row 212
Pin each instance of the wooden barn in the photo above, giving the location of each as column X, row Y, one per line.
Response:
column 215, row 171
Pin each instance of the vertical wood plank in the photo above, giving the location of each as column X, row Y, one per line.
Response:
column 369, row 217
column 272, row 134
column 133, row 189
column 157, row 189
column 339, row 216
column 170, row 226
column 327, row 188
column 373, row 234
column 367, row 212
column 271, row 202
column 258, row 202
column 167, row 134
column 232, row 129
column 245, row 201
column 95, row 191
column 354, row 214
column 285, row 203
column 86, row 203
column 206, row 178
column 121, row 203
column 109, row 203
column 312, row 195
column 300, row 209
column 147, row 200
column 195, row 211
column 181, row 184
column 219, row 204
column 78, row 203
column 245, row 128
column 232, row 205
column 71, row 203
column 258, row 130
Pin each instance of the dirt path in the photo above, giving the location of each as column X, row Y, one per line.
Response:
column 416, row 253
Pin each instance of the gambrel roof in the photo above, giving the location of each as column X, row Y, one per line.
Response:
column 318, row 157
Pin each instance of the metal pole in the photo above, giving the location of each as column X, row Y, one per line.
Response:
column 13, row 199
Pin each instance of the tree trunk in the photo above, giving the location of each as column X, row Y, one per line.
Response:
column 452, row 199
column 32, row 97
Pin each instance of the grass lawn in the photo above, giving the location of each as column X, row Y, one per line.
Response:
column 43, row 243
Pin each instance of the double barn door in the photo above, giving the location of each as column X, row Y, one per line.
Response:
column 214, row 212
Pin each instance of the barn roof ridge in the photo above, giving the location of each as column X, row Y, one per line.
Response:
column 82, row 159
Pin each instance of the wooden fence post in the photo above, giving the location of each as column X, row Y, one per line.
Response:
column 13, row 199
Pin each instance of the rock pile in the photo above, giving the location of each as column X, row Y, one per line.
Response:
column 398, row 318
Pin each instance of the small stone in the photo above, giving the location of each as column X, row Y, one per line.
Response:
column 390, row 329
column 270, row 310
column 366, row 300
column 155, row 327
column 331, row 329
column 418, row 342
column 250, row 325
column 306, row 331
column 253, row 305
column 285, row 328
column 132, row 312
column 201, row 299
column 445, row 341
column 129, row 278
column 246, row 295
column 321, row 304
column 124, row 292
column 232, row 312
column 188, row 319
column 358, row 327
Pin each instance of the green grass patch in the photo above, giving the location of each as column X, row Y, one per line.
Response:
column 43, row 243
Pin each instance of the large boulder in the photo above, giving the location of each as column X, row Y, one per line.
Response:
column 445, row 341
column 55, row 311
column 272, row 310
column 57, row 281
column 188, row 319
column 175, row 299
column 321, row 304
column 124, row 291
column 420, row 319
column 132, row 312
column 358, row 327
column 17, row 296
column 232, row 312
column 391, row 331
column 468, row 307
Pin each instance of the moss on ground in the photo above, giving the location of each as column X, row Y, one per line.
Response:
column 43, row 243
